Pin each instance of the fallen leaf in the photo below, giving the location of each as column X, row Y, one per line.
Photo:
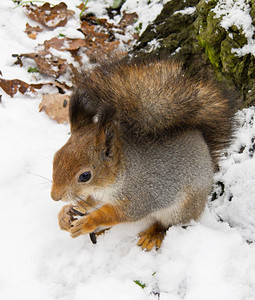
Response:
column 91, row 34
column 49, row 16
column 98, row 52
column 62, row 87
column 56, row 106
column 127, row 19
column 78, row 58
column 98, row 44
column 99, row 39
column 100, row 22
column 100, row 35
column 47, row 63
column 82, row 6
column 11, row 87
column 64, row 44
column 32, row 31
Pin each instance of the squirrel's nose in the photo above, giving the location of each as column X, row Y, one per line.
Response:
column 55, row 195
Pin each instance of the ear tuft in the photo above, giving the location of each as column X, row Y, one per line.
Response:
column 106, row 115
column 86, row 110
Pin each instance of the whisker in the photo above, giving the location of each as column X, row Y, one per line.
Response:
column 45, row 184
column 41, row 176
column 86, row 202
column 81, row 208
column 70, row 198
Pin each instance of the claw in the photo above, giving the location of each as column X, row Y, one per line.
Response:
column 152, row 237
column 65, row 217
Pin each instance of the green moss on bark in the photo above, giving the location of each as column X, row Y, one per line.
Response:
column 219, row 45
column 173, row 32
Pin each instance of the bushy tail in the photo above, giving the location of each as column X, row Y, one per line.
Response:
column 153, row 99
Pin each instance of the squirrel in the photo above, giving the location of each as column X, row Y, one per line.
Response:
column 145, row 140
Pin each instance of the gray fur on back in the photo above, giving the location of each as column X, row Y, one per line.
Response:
column 155, row 176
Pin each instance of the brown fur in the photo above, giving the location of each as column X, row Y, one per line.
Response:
column 151, row 100
column 107, row 215
column 69, row 163
column 148, row 135
column 193, row 205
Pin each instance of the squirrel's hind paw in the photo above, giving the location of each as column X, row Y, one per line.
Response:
column 153, row 236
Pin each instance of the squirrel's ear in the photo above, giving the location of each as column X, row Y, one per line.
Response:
column 109, row 133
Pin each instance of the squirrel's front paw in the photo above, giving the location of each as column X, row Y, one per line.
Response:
column 82, row 226
column 65, row 217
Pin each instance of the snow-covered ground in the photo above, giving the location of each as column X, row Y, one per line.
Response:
column 207, row 261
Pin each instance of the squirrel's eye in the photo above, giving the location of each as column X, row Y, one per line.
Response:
column 85, row 176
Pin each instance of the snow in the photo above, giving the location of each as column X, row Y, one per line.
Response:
column 236, row 204
column 146, row 12
column 208, row 260
column 236, row 12
column 186, row 11
column 153, row 45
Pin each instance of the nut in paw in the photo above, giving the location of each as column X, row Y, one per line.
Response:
column 82, row 226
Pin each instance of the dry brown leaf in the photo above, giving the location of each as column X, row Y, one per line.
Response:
column 127, row 19
column 100, row 35
column 104, row 51
column 12, row 86
column 91, row 34
column 100, row 22
column 64, row 44
column 81, row 6
column 49, row 16
column 32, row 35
column 32, row 31
column 99, row 39
column 62, row 87
column 56, row 106
column 47, row 63
column 98, row 44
